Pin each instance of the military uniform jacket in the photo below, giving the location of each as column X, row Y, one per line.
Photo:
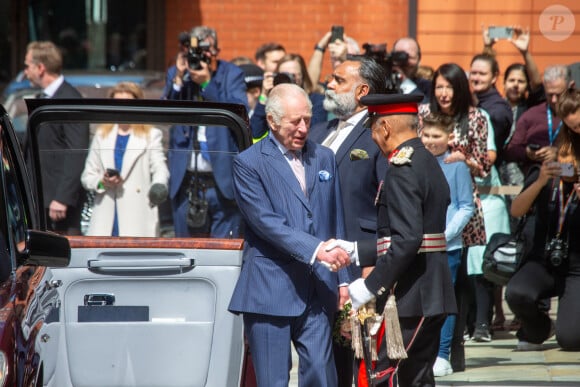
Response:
column 411, row 202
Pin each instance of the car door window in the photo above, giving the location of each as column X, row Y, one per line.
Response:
column 14, row 218
column 135, row 176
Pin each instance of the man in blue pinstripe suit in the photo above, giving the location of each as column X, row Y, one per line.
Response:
column 286, row 291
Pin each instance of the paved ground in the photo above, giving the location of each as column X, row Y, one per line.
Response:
column 498, row 364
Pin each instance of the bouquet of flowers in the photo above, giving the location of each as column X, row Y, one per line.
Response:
column 342, row 325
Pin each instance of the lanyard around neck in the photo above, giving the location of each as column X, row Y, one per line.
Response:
column 564, row 207
column 551, row 133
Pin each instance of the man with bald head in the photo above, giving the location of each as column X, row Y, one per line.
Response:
column 411, row 83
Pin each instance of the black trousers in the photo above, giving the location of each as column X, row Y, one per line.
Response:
column 344, row 363
column 417, row 369
column 536, row 281
column 465, row 296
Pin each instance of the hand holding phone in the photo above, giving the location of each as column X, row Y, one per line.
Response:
column 500, row 32
column 112, row 172
column 336, row 32
column 567, row 169
column 534, row 147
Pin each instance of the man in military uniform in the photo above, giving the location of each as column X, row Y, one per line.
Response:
column 409, row 256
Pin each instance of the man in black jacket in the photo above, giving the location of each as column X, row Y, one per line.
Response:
column 62, row 147
column 408, row 258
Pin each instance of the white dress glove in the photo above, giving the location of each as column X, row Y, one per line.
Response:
column 359, row 294
column 350, row 248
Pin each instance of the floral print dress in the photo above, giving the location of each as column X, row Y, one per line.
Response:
column 473, row 145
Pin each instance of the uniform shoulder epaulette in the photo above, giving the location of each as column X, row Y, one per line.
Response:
column 401, row 156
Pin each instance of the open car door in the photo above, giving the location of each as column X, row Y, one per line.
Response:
column 143, row 311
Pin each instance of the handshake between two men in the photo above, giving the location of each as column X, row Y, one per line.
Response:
column 336, row 254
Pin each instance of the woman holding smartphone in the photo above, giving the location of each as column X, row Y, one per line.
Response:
column 126, row 167
column 553, row 266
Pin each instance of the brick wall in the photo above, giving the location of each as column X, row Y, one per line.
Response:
column 448, row 30
column 243, row 25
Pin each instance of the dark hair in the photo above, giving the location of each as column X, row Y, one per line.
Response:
column 569, row 141
column 462, row 97
column 441, row 121
column 266, row 48
column 373, row 74
column 517, row 67
column 489, row 59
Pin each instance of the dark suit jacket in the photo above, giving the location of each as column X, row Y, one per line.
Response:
column 226, row 85
column 359, row 179
column 413, row 201
column 61, row 171
column 283, row 230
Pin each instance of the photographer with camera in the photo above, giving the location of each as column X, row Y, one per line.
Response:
column 553, row 266
column 200, row 158
column 408, row 65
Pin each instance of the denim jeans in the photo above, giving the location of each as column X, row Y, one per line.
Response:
column 454, row 259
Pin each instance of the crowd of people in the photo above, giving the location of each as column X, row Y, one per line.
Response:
column 349, row 193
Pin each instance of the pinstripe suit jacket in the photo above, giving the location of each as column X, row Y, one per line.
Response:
column 284, row 228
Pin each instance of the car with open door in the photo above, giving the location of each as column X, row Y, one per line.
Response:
column 29, row 299
column 142, row 311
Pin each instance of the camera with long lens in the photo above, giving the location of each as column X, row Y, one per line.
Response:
column 557, row 251
column 379, row 53
column 197, row 53
column 283, row 78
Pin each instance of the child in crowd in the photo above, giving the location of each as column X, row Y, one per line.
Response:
column 436, row 134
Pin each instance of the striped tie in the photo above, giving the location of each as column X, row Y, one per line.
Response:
column 298, row 169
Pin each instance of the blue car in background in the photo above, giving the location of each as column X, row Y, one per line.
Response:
column 91, row 84
column 96, row 79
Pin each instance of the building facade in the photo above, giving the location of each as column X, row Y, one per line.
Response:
column 142, row 34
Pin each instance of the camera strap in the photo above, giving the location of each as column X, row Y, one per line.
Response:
column 570, row 204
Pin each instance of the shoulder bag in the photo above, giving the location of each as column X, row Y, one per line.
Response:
column 504, row 255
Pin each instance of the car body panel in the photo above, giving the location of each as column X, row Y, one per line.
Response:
column 143, row 311
column 28, row 298
column 156, row 316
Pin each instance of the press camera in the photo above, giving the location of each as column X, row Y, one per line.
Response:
column 197, row 53
column 557, row 251
column 379, row 53
column 283, row 78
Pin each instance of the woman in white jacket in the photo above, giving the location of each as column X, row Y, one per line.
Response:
column 123, row 163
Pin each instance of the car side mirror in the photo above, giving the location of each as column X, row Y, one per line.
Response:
column 41, row 248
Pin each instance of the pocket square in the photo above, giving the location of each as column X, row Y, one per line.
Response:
column 358, row 154
column 324, row 175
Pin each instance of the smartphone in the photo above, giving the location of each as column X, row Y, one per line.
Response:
column 337, row 32
column 534, row 147
column 567, row 169
column 112, row 172
column 500, row 32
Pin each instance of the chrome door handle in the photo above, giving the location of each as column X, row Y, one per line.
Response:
column 99, row 299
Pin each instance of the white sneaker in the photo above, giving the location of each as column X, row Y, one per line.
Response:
column 442, row 367
column 527, row 346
